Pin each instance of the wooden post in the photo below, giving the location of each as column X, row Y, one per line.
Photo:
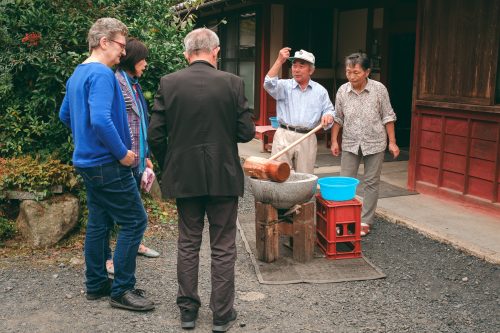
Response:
column 304, row 234
column 266, row 232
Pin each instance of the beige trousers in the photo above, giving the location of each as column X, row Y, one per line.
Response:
column 302, row 157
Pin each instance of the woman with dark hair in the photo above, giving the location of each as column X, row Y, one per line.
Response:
column 129, row 70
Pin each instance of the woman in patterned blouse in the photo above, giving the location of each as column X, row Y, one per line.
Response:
column 130, row 69
column 364, row 111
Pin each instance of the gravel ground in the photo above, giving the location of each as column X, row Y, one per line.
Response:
column 430, row 287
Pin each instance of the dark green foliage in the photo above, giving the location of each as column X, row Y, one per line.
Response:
column 41, row 42
column 35, row 175
column 7, row 228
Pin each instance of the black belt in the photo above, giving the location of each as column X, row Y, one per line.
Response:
column 294, row 129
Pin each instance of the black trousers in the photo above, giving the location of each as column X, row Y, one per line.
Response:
column 222, row 213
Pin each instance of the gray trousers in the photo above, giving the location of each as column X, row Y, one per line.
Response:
column 222, row 213
column 349, row 165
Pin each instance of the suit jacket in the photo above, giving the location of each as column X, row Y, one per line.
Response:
column 199, row 116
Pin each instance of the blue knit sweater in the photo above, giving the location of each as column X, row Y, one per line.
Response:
column 95, row 111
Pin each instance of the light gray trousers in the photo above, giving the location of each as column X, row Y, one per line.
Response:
column 349, row 165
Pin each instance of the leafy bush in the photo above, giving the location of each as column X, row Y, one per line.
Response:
column 35, row 175
column 7, row 228
column 42, row 41
column 159, row 211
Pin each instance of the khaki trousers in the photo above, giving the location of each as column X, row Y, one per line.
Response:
column 349, row 165
column 302, row 157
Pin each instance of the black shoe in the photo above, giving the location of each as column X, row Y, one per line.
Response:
column 188, row 318
column 103, row 292
column 224, row 326
column 132, row 300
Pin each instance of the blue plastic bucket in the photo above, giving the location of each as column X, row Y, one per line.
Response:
column 338, row 188
column 274, row 122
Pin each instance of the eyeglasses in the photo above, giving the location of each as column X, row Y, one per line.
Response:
column 121, row 44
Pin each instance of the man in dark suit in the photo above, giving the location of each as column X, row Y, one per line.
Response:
column 199, row 115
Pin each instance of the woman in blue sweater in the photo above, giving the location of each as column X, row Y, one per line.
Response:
column 94, row 109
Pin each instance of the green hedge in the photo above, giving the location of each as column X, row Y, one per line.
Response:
column 35, row 175
column 7, row 229
column 41, row 42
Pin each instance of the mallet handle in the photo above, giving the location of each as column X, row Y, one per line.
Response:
column 296, row 142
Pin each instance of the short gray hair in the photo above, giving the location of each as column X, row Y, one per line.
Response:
column 105, row 27
column 201, row 39
column 358, row 58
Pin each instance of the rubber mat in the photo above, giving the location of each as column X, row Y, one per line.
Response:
column 319, row 270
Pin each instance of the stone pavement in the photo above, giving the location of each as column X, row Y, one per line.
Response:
column 468, row 229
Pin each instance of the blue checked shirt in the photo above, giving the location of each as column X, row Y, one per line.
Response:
column 297, row 108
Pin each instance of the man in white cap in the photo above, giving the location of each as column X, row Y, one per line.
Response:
column 301, row 105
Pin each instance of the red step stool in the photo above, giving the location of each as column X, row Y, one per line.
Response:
column 338, row 228
column 266, row 134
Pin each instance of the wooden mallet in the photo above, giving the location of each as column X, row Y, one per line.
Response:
column 269, row 168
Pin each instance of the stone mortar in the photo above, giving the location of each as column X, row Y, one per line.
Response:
column 299, row 188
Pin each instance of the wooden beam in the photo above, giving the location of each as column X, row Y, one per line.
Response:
column 285, row 228
column 304, row 233
column 266, row 232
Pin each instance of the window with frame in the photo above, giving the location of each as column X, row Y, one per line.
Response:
column 238, row 48
column 311, row 29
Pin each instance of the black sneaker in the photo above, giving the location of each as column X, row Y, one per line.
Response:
column 132, row 300
column 224, row 326
column 188, row 318
column 103, row 292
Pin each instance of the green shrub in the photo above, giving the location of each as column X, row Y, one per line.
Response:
column 35, row 175
column 7, row 228
column 42, row 41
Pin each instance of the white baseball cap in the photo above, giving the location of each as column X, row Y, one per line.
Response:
column 304, row 55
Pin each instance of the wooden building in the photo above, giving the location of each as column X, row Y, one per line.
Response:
column 455, row 141
column 439, row 60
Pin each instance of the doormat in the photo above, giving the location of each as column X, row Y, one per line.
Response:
column 319, row 270
column 386, row 190
column 326, row 160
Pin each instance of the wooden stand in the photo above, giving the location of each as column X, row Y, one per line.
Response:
column 268, row 229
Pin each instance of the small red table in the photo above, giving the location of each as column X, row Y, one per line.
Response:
column 266, row 135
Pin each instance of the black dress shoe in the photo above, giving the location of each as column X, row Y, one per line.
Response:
column 132, row 300
column 103, row 292
column 225, row 325
column 188, row 318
